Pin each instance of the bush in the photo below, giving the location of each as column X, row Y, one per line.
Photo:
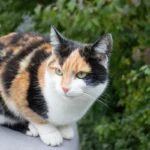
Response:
column 125, row 123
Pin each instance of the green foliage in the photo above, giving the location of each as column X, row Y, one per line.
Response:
column 125, row 124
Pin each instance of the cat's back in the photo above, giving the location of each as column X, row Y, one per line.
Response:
column 14, row 43
column 20, row 52
column 15, row 47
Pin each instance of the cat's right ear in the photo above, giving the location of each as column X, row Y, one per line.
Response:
column 56, row 39
column 103, row 44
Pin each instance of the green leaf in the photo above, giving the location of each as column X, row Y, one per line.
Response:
column 71, row 6
column 148, row 89
column 143, row 67
column 47, row 10
column 134, row 78
column 37, row 10
column 147, row 71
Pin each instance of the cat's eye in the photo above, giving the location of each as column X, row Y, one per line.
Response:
column 58, row 72
column 81, row 74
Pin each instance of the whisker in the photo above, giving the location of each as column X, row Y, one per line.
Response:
column 107, row 101
column 102, row 103
column 105, row 95
column 89, row 95
column 92, row 94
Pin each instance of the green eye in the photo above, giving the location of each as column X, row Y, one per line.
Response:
column 58, row 72
column 81, row 75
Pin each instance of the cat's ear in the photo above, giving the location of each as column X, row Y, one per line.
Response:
column 56, row 38
column 103, row 44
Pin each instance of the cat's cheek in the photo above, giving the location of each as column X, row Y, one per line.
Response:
column 49, row 77
column 78, row 84
column 77, row 88
column 74, row 92
column 57, row 84
column 59, row 90
column 53, row 79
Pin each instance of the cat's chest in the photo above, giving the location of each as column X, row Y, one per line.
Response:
column 63, row 111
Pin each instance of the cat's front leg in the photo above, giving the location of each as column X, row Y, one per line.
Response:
column 67, row 131
column 49, row 134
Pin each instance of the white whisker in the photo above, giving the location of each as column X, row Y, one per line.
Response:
column 102, row 103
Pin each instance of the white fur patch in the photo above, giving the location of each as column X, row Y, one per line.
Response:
column 67, row 132
column 66, row 109
column 13, row 108
column 53, row 37
column 76, row 87
column 32, row 130
column 49, row 135
column 101, row 47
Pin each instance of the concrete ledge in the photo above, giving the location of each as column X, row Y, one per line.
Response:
column 12, row 140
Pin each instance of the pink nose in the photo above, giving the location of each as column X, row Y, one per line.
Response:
column 65, row 89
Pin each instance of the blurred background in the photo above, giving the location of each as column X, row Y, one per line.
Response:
column 120, row 119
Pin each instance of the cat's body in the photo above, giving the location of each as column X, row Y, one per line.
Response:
column 46, row 86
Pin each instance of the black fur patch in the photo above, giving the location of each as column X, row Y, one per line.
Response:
column 16, row 38
column 20, row 127
column 35, row 97
column 6, row 112
column 98, row 72
column 13, row 65
column 64, row 49
column 1, row 46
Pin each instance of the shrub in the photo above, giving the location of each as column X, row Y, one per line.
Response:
column 125, row 124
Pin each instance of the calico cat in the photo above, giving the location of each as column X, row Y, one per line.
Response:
column 47, row 85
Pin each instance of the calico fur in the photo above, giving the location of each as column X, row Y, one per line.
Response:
column 37, row 101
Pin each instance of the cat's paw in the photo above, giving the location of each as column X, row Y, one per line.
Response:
column 32, row 131
column 53, row 138
column 67, row 132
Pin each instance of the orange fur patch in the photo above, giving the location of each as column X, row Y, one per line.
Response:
column 53, row 63
column 7, row 38
column 73, row 64
column 48, row 48
column 18, row 95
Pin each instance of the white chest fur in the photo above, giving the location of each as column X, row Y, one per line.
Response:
column 65, row 110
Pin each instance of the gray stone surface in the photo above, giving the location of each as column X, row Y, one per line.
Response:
column 12, row 140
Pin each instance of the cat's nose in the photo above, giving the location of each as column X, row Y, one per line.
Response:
column 65, row 89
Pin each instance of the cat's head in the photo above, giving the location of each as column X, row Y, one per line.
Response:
column 75, row 67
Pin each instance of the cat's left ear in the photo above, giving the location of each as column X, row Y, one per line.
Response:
column 103, row 44
column 56, row 38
